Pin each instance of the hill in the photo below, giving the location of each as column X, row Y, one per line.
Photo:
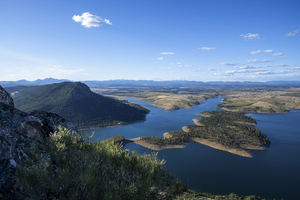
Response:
column 77, row 103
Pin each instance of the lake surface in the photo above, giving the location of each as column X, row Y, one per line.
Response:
column 271, row 173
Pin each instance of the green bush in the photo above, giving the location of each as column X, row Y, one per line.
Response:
column 67, row 167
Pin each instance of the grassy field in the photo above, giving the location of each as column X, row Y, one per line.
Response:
column 262, row 101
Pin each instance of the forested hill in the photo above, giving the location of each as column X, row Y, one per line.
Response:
column 77, row 103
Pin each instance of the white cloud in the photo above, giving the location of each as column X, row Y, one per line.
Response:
column 261, row 51
column 250, row 36
column 244, row 67
column 245, row 71
column 256, row 52
column 230, row 72
column 167, row 53
column 278, row 54
column 227, row 64
column 268, row 51
column 160, row 58
column 292, row 33
column 258, row 61
column 282, row 65
column 207, row 48
column 107, row 21
column 89, row 20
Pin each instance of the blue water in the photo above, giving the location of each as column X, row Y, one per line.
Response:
column 274, row 172
column 157, row 121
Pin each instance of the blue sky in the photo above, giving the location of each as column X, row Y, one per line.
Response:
column 203, row 40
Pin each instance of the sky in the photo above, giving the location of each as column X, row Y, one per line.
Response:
column 201, row 40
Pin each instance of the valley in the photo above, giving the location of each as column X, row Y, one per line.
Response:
column 189, row 122
column 150, row 100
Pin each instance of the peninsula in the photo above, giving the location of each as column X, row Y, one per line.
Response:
column 232, row 132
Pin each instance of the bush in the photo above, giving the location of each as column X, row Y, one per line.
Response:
column 67, row 167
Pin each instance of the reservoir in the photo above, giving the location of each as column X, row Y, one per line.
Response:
column 274, row 172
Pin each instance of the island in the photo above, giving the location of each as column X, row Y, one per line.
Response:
column 233, row 132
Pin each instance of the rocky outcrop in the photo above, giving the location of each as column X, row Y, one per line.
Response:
column 5, row 97
column 19, row 133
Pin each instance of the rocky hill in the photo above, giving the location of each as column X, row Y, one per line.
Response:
column 76, row 102
column 5, row 97
column 19, row 133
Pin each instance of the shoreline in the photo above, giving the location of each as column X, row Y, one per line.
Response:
column 196, row 122
column 185, row 129
column 96, row 127
column 203, row 114
column 155, row 147
column 109, row 126
column 236, row 151
column 214, row 145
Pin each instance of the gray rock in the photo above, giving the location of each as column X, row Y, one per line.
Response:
column 13, row 163
column 5, row 97
column 19, row 133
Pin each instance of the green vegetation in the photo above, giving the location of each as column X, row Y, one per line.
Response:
column 271, row 105
column 222, row 118
column 263, row 99
column 75, row 102
column 177, row 137
column 231, row 129
column 66, row 167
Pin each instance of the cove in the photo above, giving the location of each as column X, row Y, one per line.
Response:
column 271, row 173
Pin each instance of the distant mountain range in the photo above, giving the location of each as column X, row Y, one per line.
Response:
column 150, row 83
column 77, row 103
column 31, row 83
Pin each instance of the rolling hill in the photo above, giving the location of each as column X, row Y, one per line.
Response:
column 77, row 103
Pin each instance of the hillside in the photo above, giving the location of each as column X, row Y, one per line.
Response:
column 77, row 103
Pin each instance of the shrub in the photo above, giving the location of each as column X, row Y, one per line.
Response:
column 67, row 167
